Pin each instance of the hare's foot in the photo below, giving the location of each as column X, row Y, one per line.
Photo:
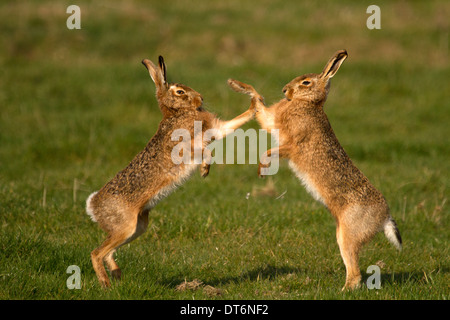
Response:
column 116, row 273
column 352, row 283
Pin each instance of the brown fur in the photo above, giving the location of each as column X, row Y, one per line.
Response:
column 122, row 206
column 319, row 161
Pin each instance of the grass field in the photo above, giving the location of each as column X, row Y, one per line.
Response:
column 77, row 105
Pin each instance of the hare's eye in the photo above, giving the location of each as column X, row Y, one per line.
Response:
column 180, row 92
column 306, row 82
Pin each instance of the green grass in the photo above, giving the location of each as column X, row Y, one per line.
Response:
column 77, row 105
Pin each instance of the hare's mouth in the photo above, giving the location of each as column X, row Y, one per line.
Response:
column 199, row 101
column 287, row 94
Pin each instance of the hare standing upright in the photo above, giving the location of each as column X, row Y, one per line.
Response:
column 319, row 161
column 122, row 206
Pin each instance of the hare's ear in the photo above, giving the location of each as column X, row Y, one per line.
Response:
column 162, row 67
column 156, row 74
column 334, row 64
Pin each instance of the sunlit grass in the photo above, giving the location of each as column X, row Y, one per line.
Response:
column 77, row 105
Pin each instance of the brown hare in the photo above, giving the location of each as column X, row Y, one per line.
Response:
column 319, row 161
column 122, row 206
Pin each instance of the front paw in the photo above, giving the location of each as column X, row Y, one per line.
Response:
column 260, row 167
column 204, row 170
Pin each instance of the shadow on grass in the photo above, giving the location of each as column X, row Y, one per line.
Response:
column 260, row 273
column 272, row 272
column 404, row 278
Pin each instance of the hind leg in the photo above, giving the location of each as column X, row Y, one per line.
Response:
column 349, row 247
column 357, row 225
column 116, row 239
column 106, row 249
column 141, row 227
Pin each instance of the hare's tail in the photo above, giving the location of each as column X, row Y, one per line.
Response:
column 392, row 233
column 89, row 209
